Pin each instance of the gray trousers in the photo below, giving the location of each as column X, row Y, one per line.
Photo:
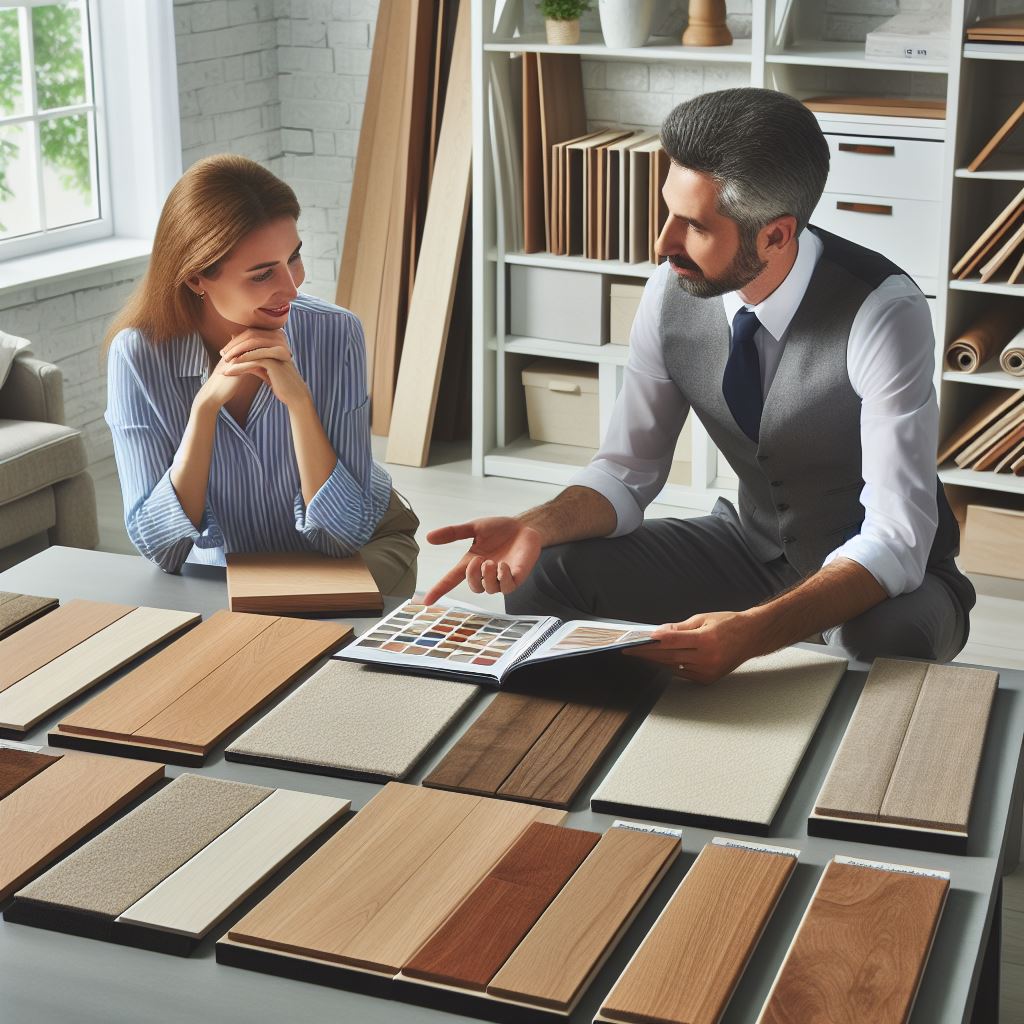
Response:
column 670, row 569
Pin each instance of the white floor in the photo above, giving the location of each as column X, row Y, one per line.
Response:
column 447, row 492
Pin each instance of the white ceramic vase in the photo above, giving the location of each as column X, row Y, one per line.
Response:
column 626, row 23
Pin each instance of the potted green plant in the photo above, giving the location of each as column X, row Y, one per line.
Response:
column 562, row 20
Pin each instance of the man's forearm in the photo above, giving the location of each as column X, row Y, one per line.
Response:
column 578, row 513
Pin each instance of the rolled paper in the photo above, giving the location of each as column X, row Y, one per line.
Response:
column 1012, row 358
column 984, row 338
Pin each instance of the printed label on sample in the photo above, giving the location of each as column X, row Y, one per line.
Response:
column 757, row 847
column 654, row 830
column 899, row 869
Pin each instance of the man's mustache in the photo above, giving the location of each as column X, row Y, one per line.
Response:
column 684, row 264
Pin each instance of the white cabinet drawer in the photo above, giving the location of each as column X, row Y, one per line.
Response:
column 903, row 168
column 904, row 230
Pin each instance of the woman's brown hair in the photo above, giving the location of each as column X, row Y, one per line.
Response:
column 214, row 204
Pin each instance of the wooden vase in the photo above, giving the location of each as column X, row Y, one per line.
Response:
column 562, row 33
column 707, row 24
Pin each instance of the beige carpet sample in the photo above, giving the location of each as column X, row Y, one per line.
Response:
column 727, row 753
column 355, row 721
column 17, row 610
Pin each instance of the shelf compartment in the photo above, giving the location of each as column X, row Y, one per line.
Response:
column 591, row 44
column 998, row 167
column 989, row 375
column 993, row 51
column 833, row 54
column 616, row 355
column 989, row 481
column 988, row 288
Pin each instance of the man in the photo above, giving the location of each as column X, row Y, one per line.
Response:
column 809, row 361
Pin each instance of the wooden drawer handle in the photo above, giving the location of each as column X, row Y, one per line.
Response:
column 885, row 211
column 564, row 388
column 866, row 149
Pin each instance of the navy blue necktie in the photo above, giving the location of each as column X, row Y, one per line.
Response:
column 741, row 382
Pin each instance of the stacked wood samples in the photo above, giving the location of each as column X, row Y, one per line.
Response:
column 17, row 610
column 878, row 106
column 184, row 700
column 985, row 338
column 906, row 768
column 686, row 969
column 48, row 811
column 1003, row 28
column 862, row 946
column 53, row 659
column 163, row 875
column 991, row 436
column 998, row 138
column 291, row 584
column 994, row 246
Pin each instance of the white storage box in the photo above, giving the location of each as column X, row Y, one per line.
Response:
column 623, row 301
column 562, row 305
column 561, row 402
column 993, row 542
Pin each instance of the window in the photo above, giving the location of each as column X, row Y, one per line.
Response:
column 53, row 174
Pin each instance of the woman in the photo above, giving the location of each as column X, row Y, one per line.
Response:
column 239, row 406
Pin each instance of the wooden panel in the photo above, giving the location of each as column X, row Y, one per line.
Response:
column 102, row 654
column 861, row 948
column 45, row 639
column 933, row 782
column 554, row 963
column 47, row 815
column 17, row 610
column 687, row 967
column 18, row 766
column 205, row 888
column 295, row 583
column 147, row 690
column 536, row 218
column 474, row 942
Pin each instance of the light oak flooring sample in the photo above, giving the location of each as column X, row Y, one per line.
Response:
column 17, row 610
column 484, row 930
column 290, row 584
column 123, row 863
column 727, row 751
column 380, row 887
column 912, row 750
column 18, row 766
column 41, row 641
column 192, row 899
column 861, row 948
column 88, row 663
column 552, row 966
column 45, row 816
column 687, row 967
column 352, row 719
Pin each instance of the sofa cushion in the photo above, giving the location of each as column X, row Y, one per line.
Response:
column 35, row 455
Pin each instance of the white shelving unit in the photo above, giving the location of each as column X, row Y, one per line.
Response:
column 786, row 52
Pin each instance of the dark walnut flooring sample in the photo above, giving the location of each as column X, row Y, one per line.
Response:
column 18, row 766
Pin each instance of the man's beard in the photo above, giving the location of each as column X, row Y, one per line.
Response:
column 745, row 266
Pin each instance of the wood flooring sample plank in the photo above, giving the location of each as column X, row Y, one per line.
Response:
column 354, row 719
column 687, row 967
column 494, row 745
column 553, row 965
column 191, row 900
column 41, row 641
column 856, row 783
column 89, row 663
column 18, row 766
column 861, row 948
column 18, row 610
column 147, row 690
column 298, row 582
column 123, row 863
column 47, row 815
column 727, row 751
column 481, row 934
column 932, row 784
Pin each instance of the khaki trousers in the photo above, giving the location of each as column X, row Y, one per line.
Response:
column 390, row 554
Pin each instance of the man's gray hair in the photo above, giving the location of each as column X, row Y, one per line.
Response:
column 763, row 148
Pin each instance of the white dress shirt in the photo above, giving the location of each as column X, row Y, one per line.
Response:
column 890, row 360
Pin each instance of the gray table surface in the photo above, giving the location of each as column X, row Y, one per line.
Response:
column 51, row 977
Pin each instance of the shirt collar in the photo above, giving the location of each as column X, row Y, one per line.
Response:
column 776, row 312
column 192, row 358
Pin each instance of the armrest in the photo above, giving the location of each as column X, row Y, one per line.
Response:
column 34, row 390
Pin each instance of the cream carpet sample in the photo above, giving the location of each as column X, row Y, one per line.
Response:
column 123, row 863
column 728, row 750
column 354, row 718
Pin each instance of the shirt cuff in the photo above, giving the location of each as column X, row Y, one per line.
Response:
column 344, row 510
column 162, row 531
column 628, row 514
column 880, row 561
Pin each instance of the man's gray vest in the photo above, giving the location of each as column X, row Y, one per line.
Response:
column 799, row 486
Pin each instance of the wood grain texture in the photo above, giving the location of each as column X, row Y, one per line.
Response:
column 17, row 610
column 552, row 966
column 860, row 950
column 18, row 766
column 47, row 815
column 90, row 662
column 686, row 969
column 480, row 935
column 878, row 106
column 206, row 887
column 536, row 218
column 998, row 138
column 987, row 412
column 298, row 582
column 41, row 641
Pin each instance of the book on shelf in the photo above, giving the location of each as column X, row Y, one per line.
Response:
column 464, row 642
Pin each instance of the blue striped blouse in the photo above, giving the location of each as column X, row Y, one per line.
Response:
column 254, row 499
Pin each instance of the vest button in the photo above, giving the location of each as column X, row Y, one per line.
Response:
column 762, row 458
column 789, row 540
column 775, row 483
column 783, row 507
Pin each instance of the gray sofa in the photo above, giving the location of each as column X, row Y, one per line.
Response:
column 43, row 483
